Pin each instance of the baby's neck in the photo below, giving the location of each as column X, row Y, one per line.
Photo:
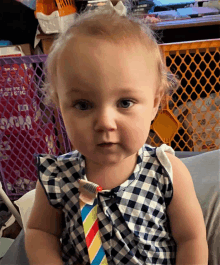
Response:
column 111, row 177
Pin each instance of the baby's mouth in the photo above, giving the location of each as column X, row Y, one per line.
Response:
column 106, row 144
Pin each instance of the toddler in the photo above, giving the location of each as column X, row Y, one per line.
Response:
column 148, row 212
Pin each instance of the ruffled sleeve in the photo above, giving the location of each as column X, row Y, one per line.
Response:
column 166, row 180
column 50, row 177
column 164, row 160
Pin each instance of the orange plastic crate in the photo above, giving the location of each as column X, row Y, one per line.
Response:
column 191, row 119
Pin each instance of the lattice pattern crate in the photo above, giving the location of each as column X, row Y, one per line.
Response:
column 195, row 105
column 27, row 126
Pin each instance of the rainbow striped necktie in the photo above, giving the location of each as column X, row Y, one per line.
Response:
column 88, row 206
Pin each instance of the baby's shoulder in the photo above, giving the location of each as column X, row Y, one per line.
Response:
column 181, row 174
column 177, row 165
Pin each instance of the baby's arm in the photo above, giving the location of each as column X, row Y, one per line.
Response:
column 186, row 218
column 44, row 228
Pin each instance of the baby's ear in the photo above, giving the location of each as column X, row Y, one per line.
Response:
column 157, row 100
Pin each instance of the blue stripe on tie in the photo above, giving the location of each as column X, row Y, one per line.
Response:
column 87, row 209
column 99, row 256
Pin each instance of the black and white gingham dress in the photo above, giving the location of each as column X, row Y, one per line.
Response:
column 132, row 217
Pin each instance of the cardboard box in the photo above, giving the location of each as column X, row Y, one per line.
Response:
column 207, row 129
column 19, row 50
column 46, row 40
column 204, row 116
column 46, row 44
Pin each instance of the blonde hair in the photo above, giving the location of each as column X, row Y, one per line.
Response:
column 107, row 25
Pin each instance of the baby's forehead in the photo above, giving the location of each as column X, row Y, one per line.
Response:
column 86, row 56
column 128, row 43
column 85, row 48
column 81, row 48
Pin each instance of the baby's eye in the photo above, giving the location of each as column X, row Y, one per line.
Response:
column 81, row 103
column 127, row 100
column 84, row 104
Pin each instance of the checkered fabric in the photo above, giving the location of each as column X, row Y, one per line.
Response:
column 133, row 223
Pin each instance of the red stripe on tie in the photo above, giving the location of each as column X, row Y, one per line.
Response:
column 93, row 231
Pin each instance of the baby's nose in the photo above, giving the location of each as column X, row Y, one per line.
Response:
column 105, row 121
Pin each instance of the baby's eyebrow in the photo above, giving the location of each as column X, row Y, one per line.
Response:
column 77, row 90
column 119, row 90
column 72, row 91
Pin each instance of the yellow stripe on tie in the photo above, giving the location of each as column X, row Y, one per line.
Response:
column 90, row 220
column 104, row 261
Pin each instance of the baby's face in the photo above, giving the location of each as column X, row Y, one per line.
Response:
column 106, row 94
